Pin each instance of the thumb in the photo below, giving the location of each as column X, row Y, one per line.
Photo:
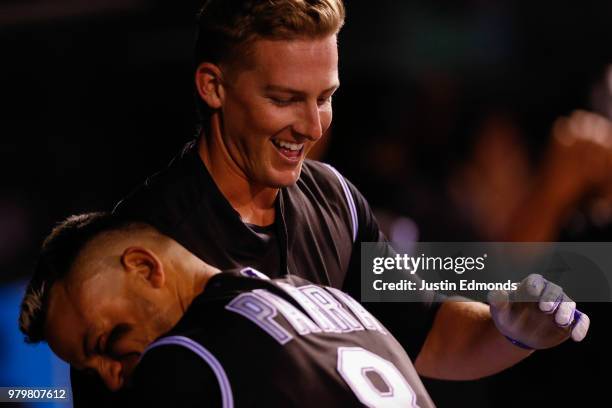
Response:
column 498, row 300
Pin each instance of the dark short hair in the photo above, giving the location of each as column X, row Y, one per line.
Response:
column 58, row 253
column 227, row 27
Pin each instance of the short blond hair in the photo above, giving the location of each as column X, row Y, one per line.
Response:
column 226, row 28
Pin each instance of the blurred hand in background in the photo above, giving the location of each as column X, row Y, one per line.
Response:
column 576, row 169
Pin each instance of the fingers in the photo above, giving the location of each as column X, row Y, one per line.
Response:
column 564, row 310
column 551, row 300
column 565, row 313
column 551, row 297
column 581, row 326
column 554, row 301
column 583, row 125
column 591, row 126
column 561, row 133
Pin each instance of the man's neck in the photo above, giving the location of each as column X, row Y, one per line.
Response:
column 192, row 277
column 254, row 203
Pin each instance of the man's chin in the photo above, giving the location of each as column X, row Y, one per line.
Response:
column 279, row 177
column 285, row 179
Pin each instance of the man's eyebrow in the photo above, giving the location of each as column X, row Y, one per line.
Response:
column 284, row 89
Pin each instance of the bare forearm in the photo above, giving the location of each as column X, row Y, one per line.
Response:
column 464, row 344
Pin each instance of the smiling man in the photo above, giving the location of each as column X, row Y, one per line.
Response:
column 266, row 99
column 273, row 113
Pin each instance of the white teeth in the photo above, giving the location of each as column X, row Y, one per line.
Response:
column 291, row 146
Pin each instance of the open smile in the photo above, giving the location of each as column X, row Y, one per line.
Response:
column 289, row 150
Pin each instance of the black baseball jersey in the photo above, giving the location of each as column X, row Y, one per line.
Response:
column 248, row 341
column 319, row 225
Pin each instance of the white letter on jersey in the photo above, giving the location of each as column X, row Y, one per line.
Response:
column 260, row 312
column 300, row 322
column 363, row 315
column 332, row 307
column 314, row 311
column 358, row 367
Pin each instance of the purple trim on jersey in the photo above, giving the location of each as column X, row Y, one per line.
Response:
column 349, row 199
column 253, row 273
column 264, row 317
column 227, row 397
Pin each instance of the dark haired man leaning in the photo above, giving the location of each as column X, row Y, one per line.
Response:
column 129, row 303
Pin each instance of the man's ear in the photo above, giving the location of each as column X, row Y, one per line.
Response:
column 146, row 264
column 209, row 84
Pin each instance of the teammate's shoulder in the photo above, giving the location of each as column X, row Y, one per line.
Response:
column 166, row 193
column 319, row 170
column 322, row 175
column 175, row 172
column 178, row 374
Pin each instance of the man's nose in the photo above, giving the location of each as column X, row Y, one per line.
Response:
column 309, row 125
column 111, row 373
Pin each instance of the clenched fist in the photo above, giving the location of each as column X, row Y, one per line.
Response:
column 538, row 314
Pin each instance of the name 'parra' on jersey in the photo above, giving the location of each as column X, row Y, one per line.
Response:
column 284, row 343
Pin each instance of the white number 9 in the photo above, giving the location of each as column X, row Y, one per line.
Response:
column 357, row 366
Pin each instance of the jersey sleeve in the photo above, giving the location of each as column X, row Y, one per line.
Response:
column 173, row 376
column 408, row 321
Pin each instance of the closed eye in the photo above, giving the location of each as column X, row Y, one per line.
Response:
column 118, row 333
column 323, row 101
column 327, row 96
column 282, row 101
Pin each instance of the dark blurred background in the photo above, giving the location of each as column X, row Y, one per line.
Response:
column 443, row 121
